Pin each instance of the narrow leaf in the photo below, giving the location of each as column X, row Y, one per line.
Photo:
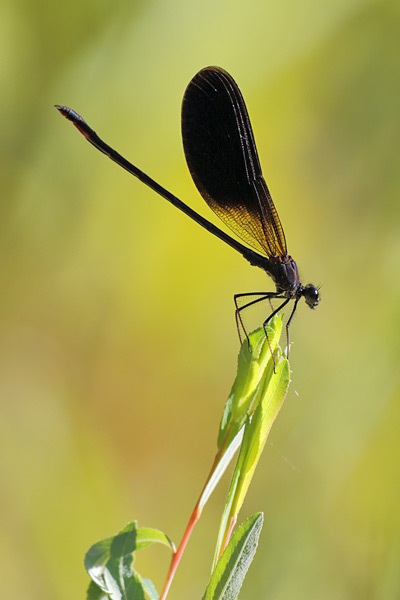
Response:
column 267, row 400
column 221, row 465
column 251, row 367
column 242, row 399
column 258, row 427
column 231, row 569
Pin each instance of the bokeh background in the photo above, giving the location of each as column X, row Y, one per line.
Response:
column 118, row 344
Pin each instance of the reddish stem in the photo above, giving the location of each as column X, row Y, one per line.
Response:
column 178, row 554
column 195, row 516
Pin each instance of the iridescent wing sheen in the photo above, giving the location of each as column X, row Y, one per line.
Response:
column 222, row 158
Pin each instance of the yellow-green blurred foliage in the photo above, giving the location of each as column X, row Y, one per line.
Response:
column 118, row 344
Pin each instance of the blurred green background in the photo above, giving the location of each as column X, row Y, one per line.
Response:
column 118, row 343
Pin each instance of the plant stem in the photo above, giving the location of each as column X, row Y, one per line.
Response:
column 178, row 554
column 195, row 516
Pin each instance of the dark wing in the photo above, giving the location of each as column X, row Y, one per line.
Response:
column 223, row 161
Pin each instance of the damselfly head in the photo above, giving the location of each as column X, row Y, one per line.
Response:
column 311, row 295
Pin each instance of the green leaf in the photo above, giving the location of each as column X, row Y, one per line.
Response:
column 121, row 583
column 95, row 560
column 109, row 564
column 222, row 462
column 251, row 368
column 151, row 592
column 118, row 581
column 146, row 536
column 272, row 395
column 112, row 547
column 95, row 593
column 231, row 569
column 267, row 399
column 124, row 542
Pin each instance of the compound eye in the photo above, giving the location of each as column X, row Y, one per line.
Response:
column 311, row 295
